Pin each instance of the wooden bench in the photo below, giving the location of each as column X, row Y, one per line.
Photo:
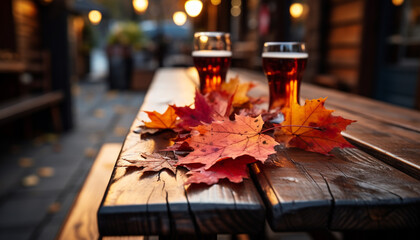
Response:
column 37, row 94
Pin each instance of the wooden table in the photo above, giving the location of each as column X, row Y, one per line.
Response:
column 374, row 186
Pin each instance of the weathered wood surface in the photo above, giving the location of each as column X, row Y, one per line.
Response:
column 388, row 132
column 351, row 190
column 158, row 203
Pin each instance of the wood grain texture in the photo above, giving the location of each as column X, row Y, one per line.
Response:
column 350, row 191
column 159, row 203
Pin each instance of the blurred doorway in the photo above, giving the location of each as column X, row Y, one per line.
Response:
column 399, row 53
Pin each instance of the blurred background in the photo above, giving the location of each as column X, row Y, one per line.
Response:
column 73, row 74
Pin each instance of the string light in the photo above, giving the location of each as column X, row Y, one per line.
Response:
column 179, row 18
column 95, row 17
column 296, row 10
column 193, row 7
column 397, row 2
column 140, row 6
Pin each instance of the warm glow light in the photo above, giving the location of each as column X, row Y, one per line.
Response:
column 397, row 2
column 296, row 10
column 179, row 18
column 140, row 6
column 216, row 2
column 193, row 7
column 204, row 39
column 95, row 17
column 235, row 11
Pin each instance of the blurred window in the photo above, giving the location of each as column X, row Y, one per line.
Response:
column 403, row 43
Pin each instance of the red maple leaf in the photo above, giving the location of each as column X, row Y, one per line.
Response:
column 312, row 127
column 233, row 169
column 229, row 139
column 191, row 117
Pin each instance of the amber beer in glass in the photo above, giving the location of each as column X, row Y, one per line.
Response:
column 212, row 55
column 284, row 64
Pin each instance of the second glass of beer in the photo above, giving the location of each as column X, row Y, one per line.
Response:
column 212, row 55
column 284, row 64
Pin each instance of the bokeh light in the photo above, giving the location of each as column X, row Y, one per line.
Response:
column 95, row 17
column 193, row 7
column 397, row 2
column 216, row 2
column 140, row 6
column 235, row 11
column 179, row 18
column 296, row 10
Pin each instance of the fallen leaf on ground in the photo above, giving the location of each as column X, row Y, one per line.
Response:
column 229, row 139
column 45, row 171
column 312, row 127
column 153, row 162
column 26, row 162
column 54, row 207
column 30, row 181
column 167, row 120
column 120, row 131
column 233, row 169
column 99, row 113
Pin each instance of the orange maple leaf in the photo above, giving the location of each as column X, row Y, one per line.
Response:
column 239, row 90
column 167, row 120
column 312, row 127
column 229, row 139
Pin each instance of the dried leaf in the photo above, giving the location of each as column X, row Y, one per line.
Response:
column 229, row 139
column 54, row 207
column 233, row 169
column 120, row 131
column 90, row 152
column 99, row 113
column 312, row 127
column 26, row 162
column 45, row 172
column 167, row 120
column 149, row 162
column 30, row 181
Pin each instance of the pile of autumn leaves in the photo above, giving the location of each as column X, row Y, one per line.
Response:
column 224, row 131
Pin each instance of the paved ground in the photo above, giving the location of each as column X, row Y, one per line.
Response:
column 39, row 182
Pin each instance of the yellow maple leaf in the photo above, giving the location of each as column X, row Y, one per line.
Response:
column 240, row 90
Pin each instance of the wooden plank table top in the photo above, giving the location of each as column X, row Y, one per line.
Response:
column 371, row 187
column 158, row 203
column 374, row 186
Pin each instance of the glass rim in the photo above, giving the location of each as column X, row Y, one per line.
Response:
column 283, row 43
column 211, row 34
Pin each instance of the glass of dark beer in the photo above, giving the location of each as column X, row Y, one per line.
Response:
column 284, row 64
column 212, row 55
